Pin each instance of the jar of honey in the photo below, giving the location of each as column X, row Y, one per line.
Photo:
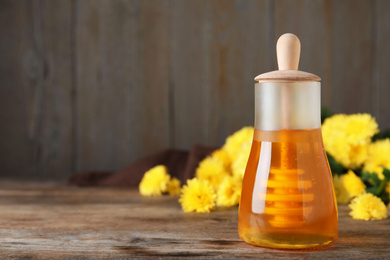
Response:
column 287, row 199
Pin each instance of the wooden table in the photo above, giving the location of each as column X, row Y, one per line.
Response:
column 49, row 221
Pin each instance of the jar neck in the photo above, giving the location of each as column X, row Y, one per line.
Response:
column 287, row 105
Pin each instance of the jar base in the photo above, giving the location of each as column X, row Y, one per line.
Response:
column 289, row 241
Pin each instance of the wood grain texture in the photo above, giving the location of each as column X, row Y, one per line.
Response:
column 216, row 53
column 381, row 70
column 240, row 51
column 49, row 222
column 351, row 56
column 55, row 160
column 36, row 119
column 311, row 22
column 14, row 124
column 190, row 73
column 96, row 85
column 122, row 61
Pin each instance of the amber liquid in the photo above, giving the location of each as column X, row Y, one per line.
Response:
column 287, row 198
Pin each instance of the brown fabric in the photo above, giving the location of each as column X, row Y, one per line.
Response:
column 88, row 178
column 180, row 164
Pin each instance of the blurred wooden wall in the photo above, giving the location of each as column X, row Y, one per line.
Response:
column 94, row 85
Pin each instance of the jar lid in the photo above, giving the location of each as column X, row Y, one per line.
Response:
column 288, row 50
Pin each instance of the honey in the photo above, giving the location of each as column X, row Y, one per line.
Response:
column 287, row 198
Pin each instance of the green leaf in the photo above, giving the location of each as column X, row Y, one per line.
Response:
column 384, row 196
column 371, row 190
column 371, row 178
column 386, row 173
column 325, row 113
column 377, row 186
column 358, row 172
column 381, row 135
column 336, row 167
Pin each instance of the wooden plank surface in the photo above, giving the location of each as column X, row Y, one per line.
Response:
column 381, row 68
column 122, row 85
column 335, row 38
column 55, row 222
column 352, row 57
column 55, row 143
column 36, row 88
column 95, row 85
column 217, row 50
column 311, row 22
column 14, row 134
column 190, row 91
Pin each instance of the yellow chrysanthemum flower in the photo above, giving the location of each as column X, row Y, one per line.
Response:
column 342, row 195
column 378, row 157
column 360, row 128
column 155, row 181
column 353, row 184
column 198, row 195
column 174, row 187
column 212, row 171
column 357, row 155
column 222, row 156
column 234, row 142
column 346, row 137
column 368, row 207
column 348, row 186
column 229, row 192
column 239, row 164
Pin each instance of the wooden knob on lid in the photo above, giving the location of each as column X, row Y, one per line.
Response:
column 288, row 50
